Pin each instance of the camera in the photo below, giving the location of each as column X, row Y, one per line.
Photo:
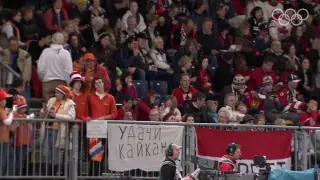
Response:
column 264, row 167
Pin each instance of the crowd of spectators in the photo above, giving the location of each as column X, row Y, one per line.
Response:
column 202, row 61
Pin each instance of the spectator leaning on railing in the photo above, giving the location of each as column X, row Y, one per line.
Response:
column 22, row 136
column 102, row 105
column 61, row 107
column 5, row 122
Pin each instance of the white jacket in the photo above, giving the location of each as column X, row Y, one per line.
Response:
column 140, row 26
column 7, row 29
column 160, row 60
column 55, row 63
column 235, row 116
column 68, row 114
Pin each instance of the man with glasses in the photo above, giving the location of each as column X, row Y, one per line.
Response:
column 228, row 162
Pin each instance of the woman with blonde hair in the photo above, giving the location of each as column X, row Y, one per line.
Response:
column 185, row 64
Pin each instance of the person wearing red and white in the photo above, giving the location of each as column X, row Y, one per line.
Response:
column 228, row 162
column 256, row 77
column 310, row 116
column 288, row 93
column 269, row 6
column 5, row 122
column 280, row 28
column 81, row 100
column 185, row 91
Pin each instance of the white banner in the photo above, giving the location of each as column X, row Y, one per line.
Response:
column 97, row 129
column 140, row 146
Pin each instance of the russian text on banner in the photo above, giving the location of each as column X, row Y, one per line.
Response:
column 140, row 146
column 276, row 146
column 97, row 129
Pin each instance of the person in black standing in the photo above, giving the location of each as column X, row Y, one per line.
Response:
column 168, row 170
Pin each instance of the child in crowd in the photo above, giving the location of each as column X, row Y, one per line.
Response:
column 247, row 119
column 128, row 87
column 241, row 110
column 212, row 111
column 170, row 117
column 22, row 136
column 4, row 130
column 170, row 105
column 116, row 90
column 260, row 120
column 127, row 115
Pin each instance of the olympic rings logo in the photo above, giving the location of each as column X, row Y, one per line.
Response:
column 290, row 19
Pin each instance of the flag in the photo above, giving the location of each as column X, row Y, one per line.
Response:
column 276, row 146
column 96, row 149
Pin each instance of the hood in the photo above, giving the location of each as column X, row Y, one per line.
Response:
column 56, row 47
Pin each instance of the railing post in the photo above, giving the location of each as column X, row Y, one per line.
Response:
column 301, row 147
column 295, row 149
column 191, row 147
column 75, row 147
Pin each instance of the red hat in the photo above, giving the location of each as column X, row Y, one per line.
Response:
column 4, row 95
column 75, row 76
column 89, row 56
column 20, row 101
column 65, row 91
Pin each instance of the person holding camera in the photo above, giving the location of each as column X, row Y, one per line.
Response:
column 169, row 169
column 228, row 162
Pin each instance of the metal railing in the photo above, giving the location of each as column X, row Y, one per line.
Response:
column 7, row 74
column 51, row 149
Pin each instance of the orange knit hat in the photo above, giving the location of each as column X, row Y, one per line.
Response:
column 89, row 56
column 20, row 101
column 65, row 91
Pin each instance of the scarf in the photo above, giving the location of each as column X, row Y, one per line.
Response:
column 183, row 36
column 15, row 28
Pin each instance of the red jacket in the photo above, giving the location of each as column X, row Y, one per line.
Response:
column 121, row 112
column 182, row 95
column 143, row 111
column 252, row 102
column 256, row 78
column 309, row 119
column 284, row 97
column 228, row 164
